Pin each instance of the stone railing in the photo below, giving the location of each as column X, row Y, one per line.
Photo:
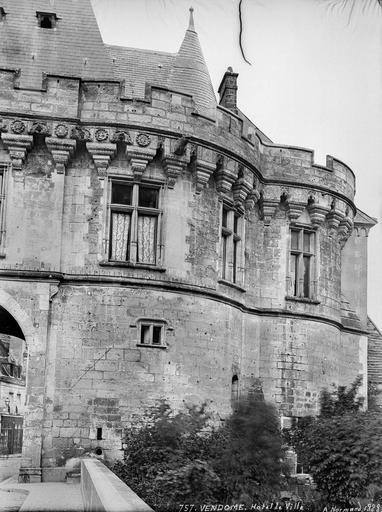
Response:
column 103, row 491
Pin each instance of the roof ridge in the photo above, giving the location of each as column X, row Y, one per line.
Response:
column 158, row 52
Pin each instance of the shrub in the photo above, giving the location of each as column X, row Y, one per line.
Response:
column 181, row 458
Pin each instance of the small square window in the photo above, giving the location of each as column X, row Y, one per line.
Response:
column 151, row 333
column 46, row 20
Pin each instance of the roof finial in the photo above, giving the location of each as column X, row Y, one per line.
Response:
column 191, row 25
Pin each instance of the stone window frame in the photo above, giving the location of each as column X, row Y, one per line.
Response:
column 295, row 286
column 134, row 208
column 151, row 324
column 4, row 174
column 231, row 245
column 3, row 14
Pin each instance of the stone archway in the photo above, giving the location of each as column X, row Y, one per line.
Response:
column 15, row 327
column 14, row 309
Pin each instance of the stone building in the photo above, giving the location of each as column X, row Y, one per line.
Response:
column 155, row 243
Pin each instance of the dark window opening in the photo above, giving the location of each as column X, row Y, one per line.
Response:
column 145, row 334
column 99, row 434
column 2, row 14
column 11, row 435
column 235, row 389
column 151, row 333
column 121, row 194
column 46, row 20
column 148, row 197
column 157, row 331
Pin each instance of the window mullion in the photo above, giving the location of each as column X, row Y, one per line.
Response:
column 134, row 225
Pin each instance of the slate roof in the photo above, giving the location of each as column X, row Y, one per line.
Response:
column 138, row 67
column 365, row 219
column 190, row 74
column 74, row 48
column 349, row 317
column 374, row 353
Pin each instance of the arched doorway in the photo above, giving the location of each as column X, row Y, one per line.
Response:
column 13, row 358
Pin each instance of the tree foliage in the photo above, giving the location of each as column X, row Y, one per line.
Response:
column 179, row 458
column 342, row 447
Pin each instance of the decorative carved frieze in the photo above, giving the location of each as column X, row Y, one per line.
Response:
column 39, row 128
column 101, row 135
column 61, row 131
column 226, row 174
column 121, row 136
column 61, row 150
column 81, row 134
column 101, row 154
column 17, row 146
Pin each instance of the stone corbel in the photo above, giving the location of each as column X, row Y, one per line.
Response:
column 334, row 218
column 252, row 199
column 336, row 214
column 17, row 146
column 345, row 229
column 317, row 213
column 101, row 154
column 268, row 208
column 175, row 159
column 295, row 210
column 203, row 165
column 242, row 186
column 226, row 174
column 173, row 168
column 61, row 150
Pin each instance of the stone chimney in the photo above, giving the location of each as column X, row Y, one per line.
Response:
column 228, row 90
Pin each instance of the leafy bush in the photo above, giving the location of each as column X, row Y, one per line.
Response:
column 342, row 447
column 181, row 458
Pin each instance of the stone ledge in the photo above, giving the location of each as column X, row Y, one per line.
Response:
column 103, row 491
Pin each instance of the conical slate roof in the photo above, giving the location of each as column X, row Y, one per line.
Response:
column 190, row 73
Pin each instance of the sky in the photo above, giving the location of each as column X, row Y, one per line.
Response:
column 315, row 78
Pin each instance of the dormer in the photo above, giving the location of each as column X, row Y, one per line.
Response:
column 47, row 20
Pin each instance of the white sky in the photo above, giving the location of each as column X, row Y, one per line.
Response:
column 315, row 79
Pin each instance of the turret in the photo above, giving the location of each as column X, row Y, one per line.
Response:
column 190, row 73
